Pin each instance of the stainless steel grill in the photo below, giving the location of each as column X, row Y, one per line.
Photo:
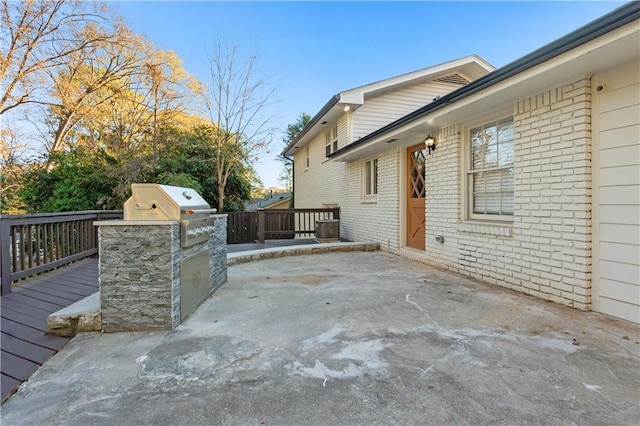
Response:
column 151, row 201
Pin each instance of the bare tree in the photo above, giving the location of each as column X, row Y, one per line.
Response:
column 37, row 36
column 168, row 90
column 132, row 112
column 91, row 77
column 237, row 100
column 11, row 170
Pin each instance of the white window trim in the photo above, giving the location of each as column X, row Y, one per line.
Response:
column 469, row 215
column 331, row 140
column 374, row 181
column 307, row 158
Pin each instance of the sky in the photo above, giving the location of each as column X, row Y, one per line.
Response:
column 313, row 50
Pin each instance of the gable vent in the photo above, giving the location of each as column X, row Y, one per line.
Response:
column 452, row 79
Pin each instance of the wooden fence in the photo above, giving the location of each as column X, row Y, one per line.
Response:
column 35, row 243
column 242, row 227
column 271, row 224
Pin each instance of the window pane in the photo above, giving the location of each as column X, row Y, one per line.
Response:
column 327, row 150
column 375, row 176
column 479, row 193
column 491, row 153
column 484, row 147
column 505, row 144
column 477, row 148
column 508, row 192
column 367, row 178
column 493, row 192
column 486, row 192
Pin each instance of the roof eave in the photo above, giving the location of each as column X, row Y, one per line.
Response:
column 316, row 118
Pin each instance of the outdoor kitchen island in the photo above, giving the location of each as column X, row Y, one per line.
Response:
column 159, row 263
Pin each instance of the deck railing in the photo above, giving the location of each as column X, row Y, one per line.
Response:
column 34, row 243
column 269, row 224
column 291, row 223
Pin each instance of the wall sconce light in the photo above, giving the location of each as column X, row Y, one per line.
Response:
column 430, row 141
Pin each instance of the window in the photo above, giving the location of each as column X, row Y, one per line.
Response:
column 371, row 177
column 490, row 173
column 331, row 140
column 306, row 157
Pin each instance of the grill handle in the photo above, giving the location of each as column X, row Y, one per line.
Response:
column 188, row 212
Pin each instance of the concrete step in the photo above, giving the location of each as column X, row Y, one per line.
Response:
column 84, row 315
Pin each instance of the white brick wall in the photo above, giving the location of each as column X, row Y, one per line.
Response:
column 546, row 251
column 373, row 218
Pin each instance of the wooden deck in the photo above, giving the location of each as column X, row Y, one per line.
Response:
column 24, row 311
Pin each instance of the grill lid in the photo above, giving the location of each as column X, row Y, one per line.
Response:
column 152, row 201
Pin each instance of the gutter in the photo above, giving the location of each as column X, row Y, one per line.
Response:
column 617, row 18
column 330, row 104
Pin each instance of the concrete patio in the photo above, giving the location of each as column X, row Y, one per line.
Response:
column 348, row 338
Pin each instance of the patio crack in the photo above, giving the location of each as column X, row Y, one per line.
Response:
column 425, row 313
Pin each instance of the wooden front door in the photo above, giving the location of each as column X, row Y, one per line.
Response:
column 415, row 196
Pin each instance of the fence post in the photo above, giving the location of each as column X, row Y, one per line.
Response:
column 261, row 226
column 5, row 258
column 95, row 234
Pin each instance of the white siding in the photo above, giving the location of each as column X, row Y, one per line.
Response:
column 378, row 111
column 322, row 183
column 616, row 269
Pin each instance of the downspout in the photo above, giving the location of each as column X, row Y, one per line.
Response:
column 292, row 203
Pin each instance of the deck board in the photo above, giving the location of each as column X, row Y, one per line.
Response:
column 23, row 318
column 69, row 282
column 34, row 318
column 19, row 368
column 28, row 351
column 36, row 303
column 59, row 291
column 9, row 384
column 48, row 295
column 32, row 335
column 69, row 287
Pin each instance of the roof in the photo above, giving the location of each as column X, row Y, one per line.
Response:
column 266, row 202
column 473, row 67
column 618, row 18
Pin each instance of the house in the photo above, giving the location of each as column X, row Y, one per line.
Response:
column 277, row 200
column 531, row 180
